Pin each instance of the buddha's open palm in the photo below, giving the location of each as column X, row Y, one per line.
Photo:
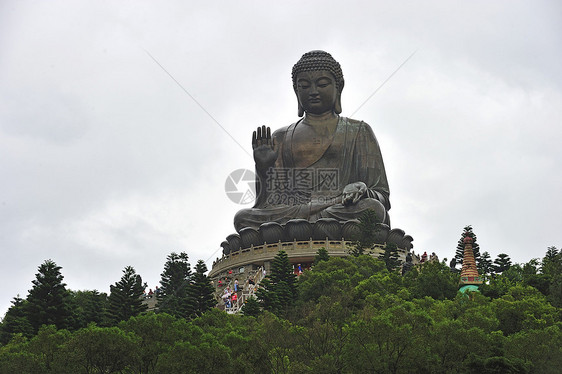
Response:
column 264, row 153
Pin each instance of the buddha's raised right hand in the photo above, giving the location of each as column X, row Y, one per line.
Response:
column 265, row 154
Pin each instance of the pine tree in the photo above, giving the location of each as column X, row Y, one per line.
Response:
column 459, row 254
column 48, row 301
column 175, row 295
column 282, row 271
column 485, row 265
column 126, row 297
column 367, row 233
column 202, row 289
column 550, row 261
column 89, row 306
column 321, row 255
column 251, row 307
column 390, row 257
column 502, row 263
column 551, row 269
column 279, row 288
column 15, row 321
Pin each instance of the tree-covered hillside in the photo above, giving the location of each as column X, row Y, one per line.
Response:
column 347, row 315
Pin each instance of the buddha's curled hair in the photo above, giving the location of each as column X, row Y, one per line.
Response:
column 318, row 60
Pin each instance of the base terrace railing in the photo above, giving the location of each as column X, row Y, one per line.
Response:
column 265, row 252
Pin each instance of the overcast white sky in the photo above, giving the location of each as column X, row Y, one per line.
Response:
column 105, row 162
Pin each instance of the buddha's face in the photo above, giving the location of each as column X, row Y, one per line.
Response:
column 316, row 91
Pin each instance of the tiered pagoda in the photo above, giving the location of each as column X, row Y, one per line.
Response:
column 470, row 279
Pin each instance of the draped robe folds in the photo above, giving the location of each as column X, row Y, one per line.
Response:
column 286, row 191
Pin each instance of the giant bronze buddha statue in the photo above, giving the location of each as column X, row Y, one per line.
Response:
column 323, row 165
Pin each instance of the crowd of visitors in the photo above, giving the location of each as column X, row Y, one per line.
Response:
column 150, row 294
column 417, row 259
column 235, row 292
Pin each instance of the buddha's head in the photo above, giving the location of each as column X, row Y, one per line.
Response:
column 318, row 83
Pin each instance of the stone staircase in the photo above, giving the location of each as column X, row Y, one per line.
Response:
column 246, row 292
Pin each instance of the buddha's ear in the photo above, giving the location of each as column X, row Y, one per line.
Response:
column 301, row 109
column 337, row 105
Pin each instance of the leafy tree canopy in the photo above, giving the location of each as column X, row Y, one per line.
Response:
column 350, row 315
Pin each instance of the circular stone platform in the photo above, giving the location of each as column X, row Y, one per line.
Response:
column 297, row 251
column 301, row 239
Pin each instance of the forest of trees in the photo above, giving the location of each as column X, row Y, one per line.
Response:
column 346, row 315
column 49, row 302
